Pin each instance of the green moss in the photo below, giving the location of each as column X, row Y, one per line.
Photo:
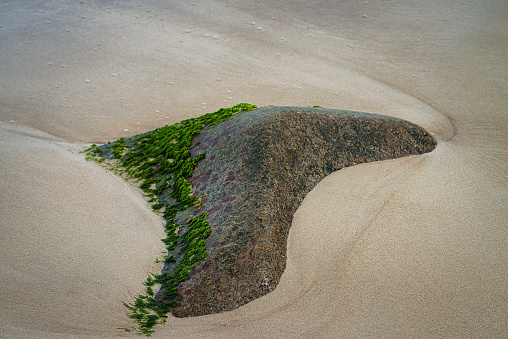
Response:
column 92, row 152
column 160, row 160
column 118, row 148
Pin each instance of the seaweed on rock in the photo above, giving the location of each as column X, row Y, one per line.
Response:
column 161, row 161
column 228, row 213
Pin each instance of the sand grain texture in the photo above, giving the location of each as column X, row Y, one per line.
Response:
column 411, row 247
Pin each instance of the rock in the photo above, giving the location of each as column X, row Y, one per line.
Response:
column 259, row 166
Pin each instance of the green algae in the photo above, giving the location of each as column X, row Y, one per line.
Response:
column 160, row 160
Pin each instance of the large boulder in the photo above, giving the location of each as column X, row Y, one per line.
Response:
column 259, row 166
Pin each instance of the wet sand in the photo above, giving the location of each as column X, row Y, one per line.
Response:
column 412, row 247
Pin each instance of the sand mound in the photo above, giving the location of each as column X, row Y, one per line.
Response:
column 68, row 249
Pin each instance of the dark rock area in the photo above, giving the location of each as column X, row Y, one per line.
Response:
column 259, row 166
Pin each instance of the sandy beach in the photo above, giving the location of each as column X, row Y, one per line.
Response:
column 412, row 247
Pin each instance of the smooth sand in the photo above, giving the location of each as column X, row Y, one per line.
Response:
column 412, row 247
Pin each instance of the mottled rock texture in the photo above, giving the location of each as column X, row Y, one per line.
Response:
column 258, row 168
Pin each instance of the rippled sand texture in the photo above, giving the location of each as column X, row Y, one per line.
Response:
column 412, row 247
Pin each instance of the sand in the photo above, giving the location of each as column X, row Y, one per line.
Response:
column 412, row 247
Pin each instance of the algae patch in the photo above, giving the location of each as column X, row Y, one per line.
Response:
column 160, row 160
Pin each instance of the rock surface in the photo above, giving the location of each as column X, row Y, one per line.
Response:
column 258, row 168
